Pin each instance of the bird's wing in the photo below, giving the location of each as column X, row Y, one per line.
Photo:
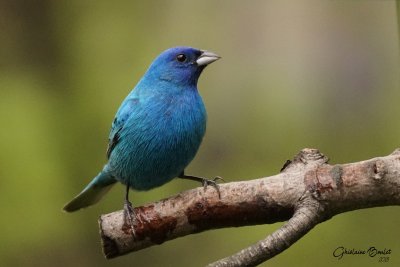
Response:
column 124, row 112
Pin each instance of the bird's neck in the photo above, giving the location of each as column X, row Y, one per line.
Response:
column 160, row 86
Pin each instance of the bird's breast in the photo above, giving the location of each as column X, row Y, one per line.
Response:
column 159, row 140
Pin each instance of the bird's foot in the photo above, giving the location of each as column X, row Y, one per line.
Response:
column 213, row 182
column 205, row 182
column 129, row 216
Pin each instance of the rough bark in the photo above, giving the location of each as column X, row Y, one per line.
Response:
column 308, row 191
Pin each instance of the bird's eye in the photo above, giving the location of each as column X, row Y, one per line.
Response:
column 181, row 57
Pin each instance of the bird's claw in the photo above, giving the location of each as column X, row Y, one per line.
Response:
column 205, row 182
column 129, row 216
column 213, row 183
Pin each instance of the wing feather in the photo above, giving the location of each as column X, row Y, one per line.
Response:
column 123, row 114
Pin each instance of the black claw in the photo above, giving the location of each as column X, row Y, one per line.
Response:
column 216, row 178
column 205, row 182
column 129, row 216
column 213, row 183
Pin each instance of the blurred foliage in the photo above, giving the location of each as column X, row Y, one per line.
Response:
column 294, row 74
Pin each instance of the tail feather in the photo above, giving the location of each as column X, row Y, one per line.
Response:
column 92, row 193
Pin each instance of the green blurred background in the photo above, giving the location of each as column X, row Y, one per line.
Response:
column 294, row 74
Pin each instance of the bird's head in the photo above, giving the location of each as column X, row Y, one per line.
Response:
column 181, row 66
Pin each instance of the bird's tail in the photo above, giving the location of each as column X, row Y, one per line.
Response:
column 92, row 193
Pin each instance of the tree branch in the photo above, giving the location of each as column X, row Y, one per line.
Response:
column 303, row 220
column 308, row 191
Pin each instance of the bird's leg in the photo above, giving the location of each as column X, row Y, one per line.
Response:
column 205, row 182
column 129, row 213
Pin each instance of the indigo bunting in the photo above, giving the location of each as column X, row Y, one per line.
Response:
column 157, row 129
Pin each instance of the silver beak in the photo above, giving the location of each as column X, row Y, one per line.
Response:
column 206, row 58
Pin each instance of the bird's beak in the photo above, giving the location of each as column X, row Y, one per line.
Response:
column 206, row 58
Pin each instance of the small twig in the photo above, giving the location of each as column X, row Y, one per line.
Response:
column 303, row 220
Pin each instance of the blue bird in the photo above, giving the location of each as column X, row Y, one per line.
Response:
column 157, row 129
